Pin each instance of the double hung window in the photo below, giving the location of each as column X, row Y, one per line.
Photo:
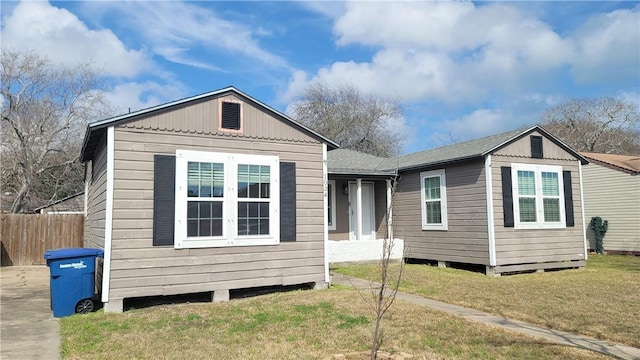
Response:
column 226, row 199
column 434, row 200
column 538, row 196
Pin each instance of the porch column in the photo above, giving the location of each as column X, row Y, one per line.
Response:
column 359, row 209
column 389, row 210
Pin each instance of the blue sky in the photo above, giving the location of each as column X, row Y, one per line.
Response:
column 461, row 70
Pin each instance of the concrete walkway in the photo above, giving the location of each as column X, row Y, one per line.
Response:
column 28, row 329
column 602, row 346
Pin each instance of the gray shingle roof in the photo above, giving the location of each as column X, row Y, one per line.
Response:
column 460, row 151
column 345, row 161
column 352, row 162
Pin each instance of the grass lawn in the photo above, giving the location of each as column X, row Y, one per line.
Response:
column 293, row 325
column 601, row 301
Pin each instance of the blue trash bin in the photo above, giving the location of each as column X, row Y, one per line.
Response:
column 72, row 280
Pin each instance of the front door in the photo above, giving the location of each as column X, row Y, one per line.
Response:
column 367, row 209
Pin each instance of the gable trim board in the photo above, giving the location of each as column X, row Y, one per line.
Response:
column 325, row 230
column 108, row 225
column 92, row 135
column 584, row 224
column 490, row 217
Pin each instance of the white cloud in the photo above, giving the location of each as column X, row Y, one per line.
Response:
column 459, row 52
column 445, row 51
column 296, row 86
column 517, row 112
column 329, row 8
column 181, row 31
column 608, row 48
column 63, row 38
column 478, row 123
column 140, row 95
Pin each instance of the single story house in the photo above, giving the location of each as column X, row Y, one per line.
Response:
column 210, row 193
column 612, row 192
column 509, row 202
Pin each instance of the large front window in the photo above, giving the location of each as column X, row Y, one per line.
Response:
column 434, row 200
column 226, row 199
column 539, row 196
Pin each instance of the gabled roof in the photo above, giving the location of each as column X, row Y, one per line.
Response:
column 96, row 130
column 625, row 163
column 347, row 162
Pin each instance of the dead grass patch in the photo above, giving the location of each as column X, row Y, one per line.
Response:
column 601, row 301
column 293, row 325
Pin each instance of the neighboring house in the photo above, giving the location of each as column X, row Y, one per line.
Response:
column 207, row 194
column 509, row 202
column 612, row 191
column 73, row 204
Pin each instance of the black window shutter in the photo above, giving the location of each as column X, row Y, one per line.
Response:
column 507, row 196
column 164, row 182
column 536, row 147
column 230, row 115
column 568, row 199
column 287, row 201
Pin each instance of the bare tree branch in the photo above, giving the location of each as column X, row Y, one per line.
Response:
column 45, row 109
column 605, row 125
column 363, row 122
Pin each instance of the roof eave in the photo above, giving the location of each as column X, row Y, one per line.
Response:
column 613, row 166
column 356, row 172
column 112, row 121
column 440, row 163
column 538, row 128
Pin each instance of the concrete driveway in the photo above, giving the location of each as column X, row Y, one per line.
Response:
column 28, row 329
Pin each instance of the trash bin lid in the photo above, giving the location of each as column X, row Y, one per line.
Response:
column 72, row 253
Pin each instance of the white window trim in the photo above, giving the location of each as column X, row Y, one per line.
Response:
column 332, row 225
column 540, row 223
column 230, row 200
column 443, row 200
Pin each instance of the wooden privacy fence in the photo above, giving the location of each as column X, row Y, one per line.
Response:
column 25, row 238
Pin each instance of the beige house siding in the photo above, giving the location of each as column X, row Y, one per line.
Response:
column 524, row 246
column 94, row 223
column 140, row 269
column 466, row 239
column 522, row 148
column 202, row 117
column 614, row 196
column 342, row 213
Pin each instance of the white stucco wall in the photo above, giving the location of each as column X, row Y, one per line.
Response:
column 361, row 250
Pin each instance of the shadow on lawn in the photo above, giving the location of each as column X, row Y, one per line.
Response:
column 204, row 297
